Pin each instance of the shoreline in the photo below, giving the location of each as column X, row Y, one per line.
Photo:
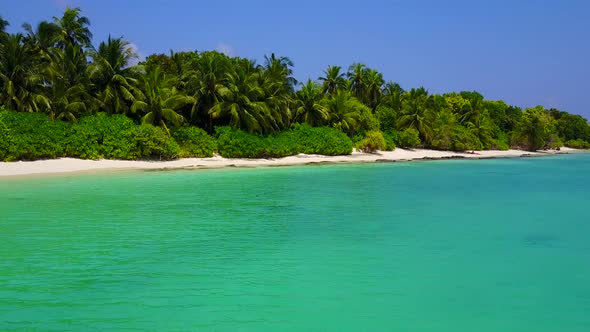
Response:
column 72, row 165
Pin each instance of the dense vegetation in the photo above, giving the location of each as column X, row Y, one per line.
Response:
column 69, row 98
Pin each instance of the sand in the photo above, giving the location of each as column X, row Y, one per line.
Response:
column 69, row 165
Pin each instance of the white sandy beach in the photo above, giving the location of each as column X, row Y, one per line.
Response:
column 69, row 165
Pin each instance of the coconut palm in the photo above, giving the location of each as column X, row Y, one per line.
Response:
column 3, row 34
column 73, row 29
column 277, row 98
column 373, row 88
column 115, row 81
column 67, row 82
column 279, row 69
column 333, row 80
column 161, row 100
column 392, row 96
column 43, row 38
column 416, row 114
column 309, row 108
column 344, row 111
column 19, row 76
column 356, row 76
column 242, row 106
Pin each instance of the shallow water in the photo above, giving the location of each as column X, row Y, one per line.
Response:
column 491, row 245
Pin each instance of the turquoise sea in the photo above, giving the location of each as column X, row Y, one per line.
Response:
column 490, row 245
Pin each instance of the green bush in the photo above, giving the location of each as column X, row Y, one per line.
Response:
column 464, row 140
column 30, row 136
column 149, row 142
column 409, row 138
column 235, row 143
column 232, row 143
column 577, row 144
column 100, row 136
column 322, row 140
column 391, row 138
column 194, row 142
column 372, row 142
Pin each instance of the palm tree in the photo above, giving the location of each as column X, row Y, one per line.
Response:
column 19, row 76
column 205, row 80
column 67, row 82
column 309, row 109
column 114, row 79
column 161, row 100
column 43, row 38
column 333, row 80
column 242, row 105
column 278, row 100
column 392, row 96
column 416, row 114
column 3, row 34
column 279, row 69
column 373, row 88
column 344, row 111
column 73, row 29
column 356, row 75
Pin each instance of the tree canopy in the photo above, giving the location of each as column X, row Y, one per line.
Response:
column 53, row 68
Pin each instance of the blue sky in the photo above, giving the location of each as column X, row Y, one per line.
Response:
column 526, row 52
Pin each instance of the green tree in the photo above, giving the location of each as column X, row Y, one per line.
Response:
column 536, row 127
column 73, row 29
column 416, row 113
column 114, row 79
column 333, row 80
column 67, row 82
column 242, row 106
column 309, row 108
column 161, row 100
column 357, row 76
column 373, row 88
column 19, row 76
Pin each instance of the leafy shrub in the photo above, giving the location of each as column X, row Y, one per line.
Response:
column 372, row 142
column 409, row 138
column 391, row 138
column 464, row 140
column 100, row 136
column 194, row 142
column 30, row 136
column 151, row 142
column 387, row 117
column 577, row 144
column 234, row 143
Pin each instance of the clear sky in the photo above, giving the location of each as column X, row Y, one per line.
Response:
column 527, row 52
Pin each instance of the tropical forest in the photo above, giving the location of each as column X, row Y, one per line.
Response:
column 63, row 96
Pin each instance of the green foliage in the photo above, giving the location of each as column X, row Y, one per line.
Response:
column 537, row 130
column 464, row 139
column 502, row 141
column 30, row 136
column 386, row 117
column 391, row 138
column 100, row 137
column 54, row 69
column 372, row 142
column 409, row 138
column 577, row 144
column 149, row 142
column 234, row 143
column 194, row 142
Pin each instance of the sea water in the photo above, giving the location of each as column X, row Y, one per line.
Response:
column 491, row 245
